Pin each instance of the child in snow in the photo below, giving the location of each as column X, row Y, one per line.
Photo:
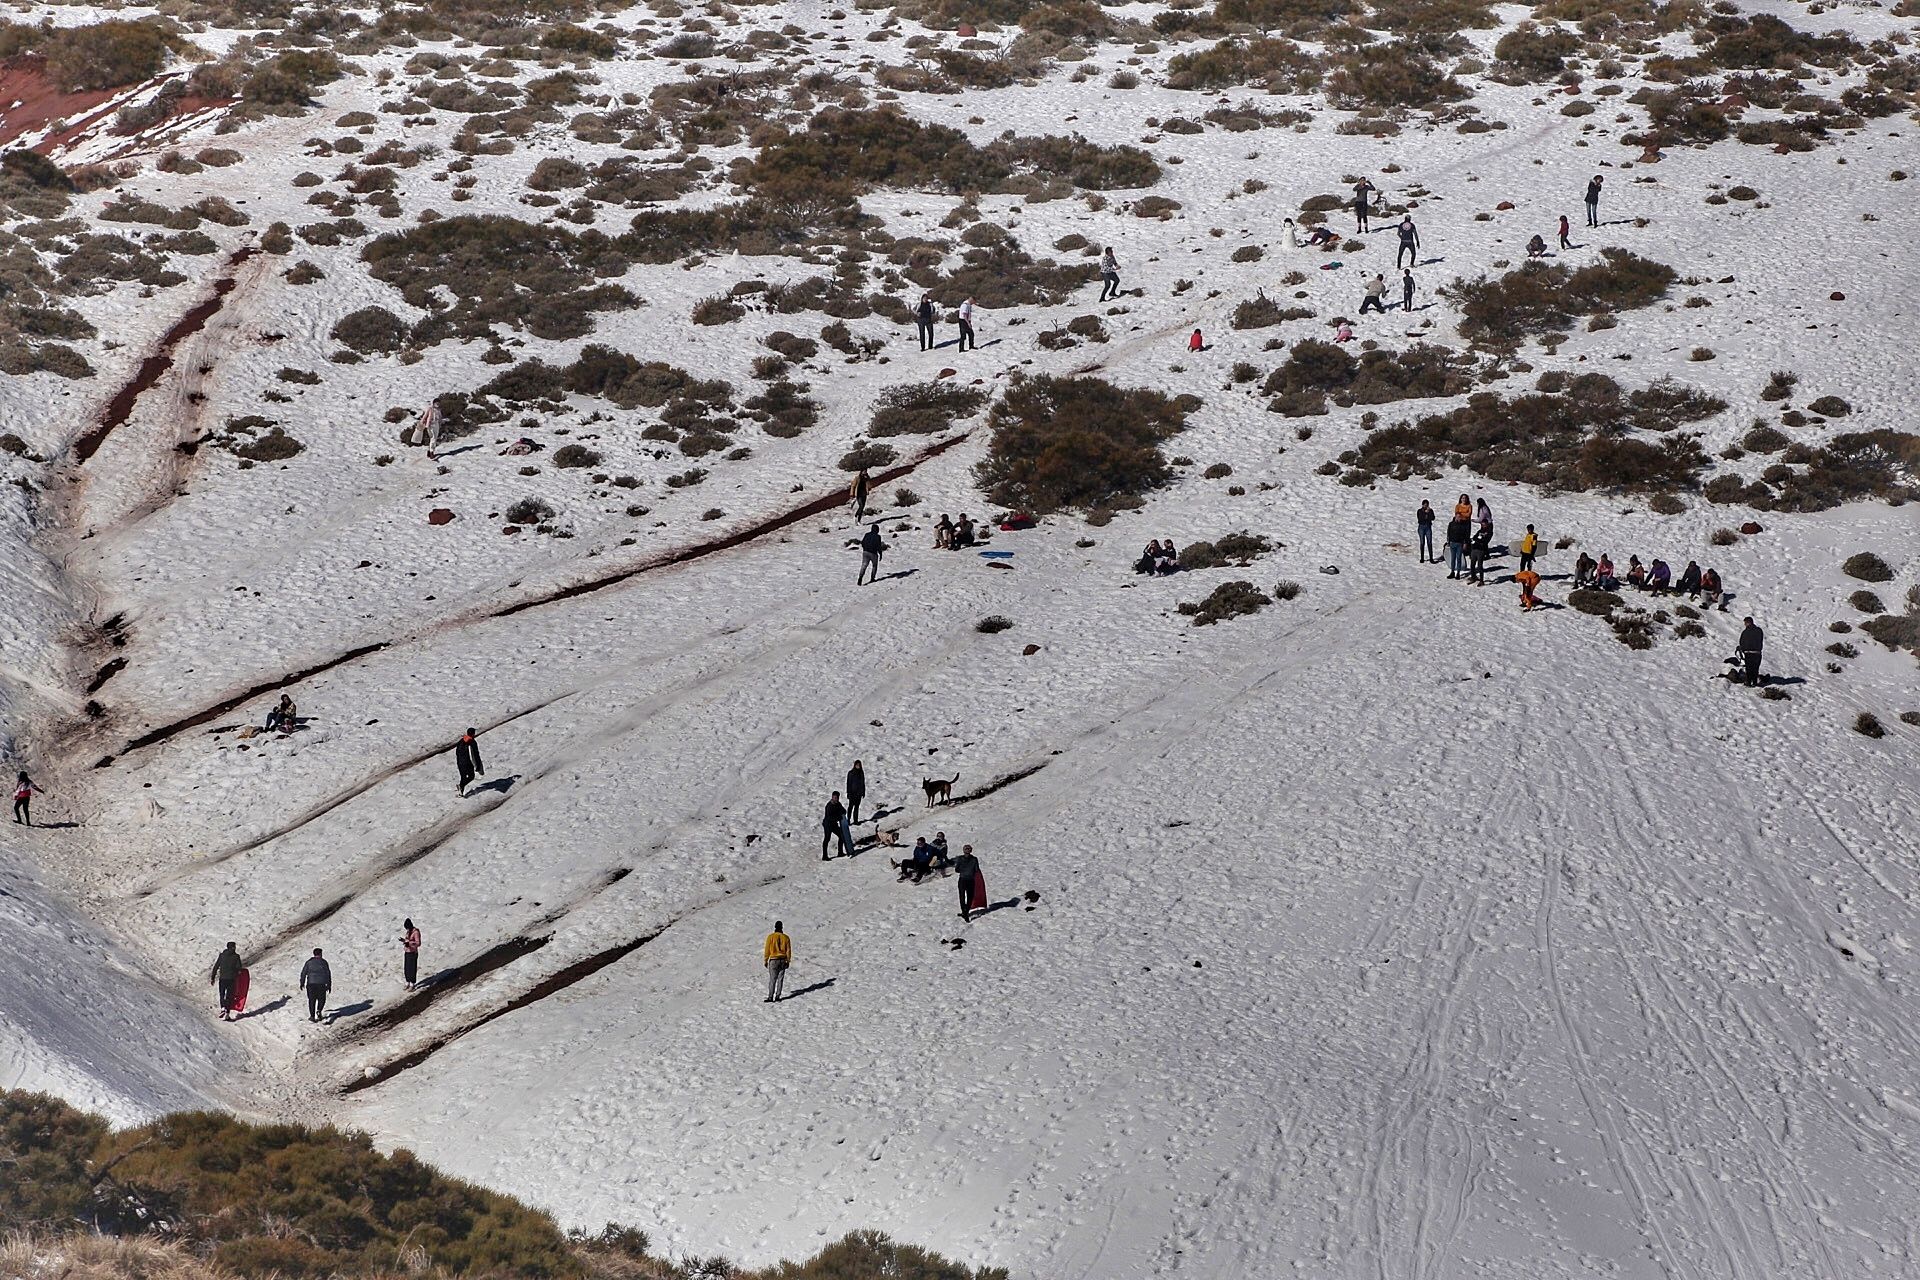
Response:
column 1537, row 247
column 1529, row 543
column 1196, row 342
column 23, row 793
column 1344, row 333
column 1564, row 230
column 1529, row 581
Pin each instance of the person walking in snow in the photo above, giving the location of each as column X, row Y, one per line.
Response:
column 1593, row 200
column 923, row 321
column 1566, row 230
column 777, row 954
column 1459, row 529
column 466, row 758
column 966, row 326
column 1752, row 638
column 1406, row 290
column 1109, row 275
column 857, row 494
column 316, row 979
column 1376, row 299
column 226, row 972
column 1529, row 543
column 1423, row 521
column 410, row 953
column 1409, row 243
column 23, row 793
column 973, row 885
column 856, row 791
column 872, row 547
column 1362, row 200
column 833, row 825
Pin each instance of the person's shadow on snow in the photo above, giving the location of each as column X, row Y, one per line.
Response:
column 992, row 907
column 901, row 573
column 348, row 1010
column 821, row 985
column 281, row 1003
column 502, row 785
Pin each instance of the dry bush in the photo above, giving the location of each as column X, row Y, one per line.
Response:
column 1566, row 441
column 1867, row 567
column 99, row 55
column 1238, row 549
column 1280, row 66
column 923, row 408
column 501, row 270
column 1318, row 368
column 1397, row 73
column 1228, row 600
column 1076, row 443
column 1543, row 297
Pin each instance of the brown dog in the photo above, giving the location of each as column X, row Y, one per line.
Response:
column 939, row 791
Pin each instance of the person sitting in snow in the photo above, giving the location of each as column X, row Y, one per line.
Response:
column 917, row 863
column 1149, row 559
column 1710, row 593
column 963, row 532
column 1169, row 561
column 1659, row 578
column 1537, row 247
column 1603, row 574
column 1636, row 573
column 1689, row 579
column 943, row 533
column 1583, row 570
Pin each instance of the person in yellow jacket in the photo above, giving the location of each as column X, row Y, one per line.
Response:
column 779, row 954
column 1529, row 543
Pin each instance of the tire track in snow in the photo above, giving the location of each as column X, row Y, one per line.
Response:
column 452, row 625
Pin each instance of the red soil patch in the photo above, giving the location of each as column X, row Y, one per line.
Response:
column 29, row 100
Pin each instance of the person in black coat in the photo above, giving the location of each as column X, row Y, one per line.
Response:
column 1459, row 529
column 856, row 791
column 226, row 972
column 1593, row 200
column 1748, row 647
column 466, row 758
column 972, row 891
column 1477, row 551
column 923, row 320
column 316, row 979
column 833, row 825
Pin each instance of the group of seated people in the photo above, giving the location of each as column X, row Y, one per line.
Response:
column 1656, row 578
column 948, row 536
column 925, row 859
column 1159, row 557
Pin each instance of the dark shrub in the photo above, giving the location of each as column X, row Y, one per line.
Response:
column 1866, row 602
column 1596, row 602
column 1868, row 724
column 1286, row 589
column 103, row 55
column 923, row 408
column 1393, row 74
column 529, row 511
column 371, row 331
column 867, row 454
column 1830, row 407
column 1547, row 297
column 529, row 380
column 992, row 624
column 289, row 79
column 1280, row 66
column 1867, row 567
column 1240, row 549
column 1228, row 600
column 575, row 455
column 1076, row 443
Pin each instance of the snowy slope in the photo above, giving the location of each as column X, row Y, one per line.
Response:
column 1389, row 932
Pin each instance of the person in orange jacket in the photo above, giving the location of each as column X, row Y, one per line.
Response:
column 1463, row 509
column 779, row 954
column 1529, row 582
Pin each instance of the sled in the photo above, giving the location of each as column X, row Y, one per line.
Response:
column 995, row 555
column 977, row 900
column 241, row 981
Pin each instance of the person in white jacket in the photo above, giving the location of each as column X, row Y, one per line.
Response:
column 1376, row 299
column 966, row 325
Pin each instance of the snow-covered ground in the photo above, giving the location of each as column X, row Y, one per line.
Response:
column 1389, row 932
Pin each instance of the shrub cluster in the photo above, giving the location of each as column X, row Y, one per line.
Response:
column 1543, row 297
column 1228, row 600
column 1062, row 442
column 1316, row 369
column 545, row 279
column 1239, row 549
column 1571, row 440
column 98, row 55
column 923, row 408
